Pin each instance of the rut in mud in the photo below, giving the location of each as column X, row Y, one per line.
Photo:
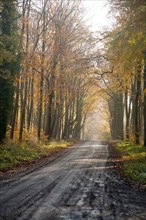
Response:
column 77, row 185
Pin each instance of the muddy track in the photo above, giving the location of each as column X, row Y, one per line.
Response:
column 78, row 185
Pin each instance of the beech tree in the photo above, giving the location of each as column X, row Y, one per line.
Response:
column 51, row 85
column 126, row 46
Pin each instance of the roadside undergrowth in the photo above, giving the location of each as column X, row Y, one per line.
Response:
column 134, row 161
column 12, row 154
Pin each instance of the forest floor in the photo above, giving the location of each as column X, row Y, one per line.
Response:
column 133, row 161
column 18, row 156
column 81, row 183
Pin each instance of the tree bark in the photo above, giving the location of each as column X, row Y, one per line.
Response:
column 15, row 112
column 145, row 98
column 137, row 104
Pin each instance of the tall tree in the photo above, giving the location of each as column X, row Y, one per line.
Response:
column 129, row 30
column 9, row 62
column 144, row 89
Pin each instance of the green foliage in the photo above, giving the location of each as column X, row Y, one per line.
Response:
column 9, row 60
column 134, row 157
column 15, row 153
column 9, row 40
column 6, row 95
column 128, row 37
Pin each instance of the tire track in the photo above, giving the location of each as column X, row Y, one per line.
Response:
column 78, row 185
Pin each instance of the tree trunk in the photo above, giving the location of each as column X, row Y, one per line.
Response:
column 137, row 104
column 15, row 112
column 145, row 98
column 23, row 110
column 40, row 105
column 116, row 114
column 30, row 108
column 127, row 113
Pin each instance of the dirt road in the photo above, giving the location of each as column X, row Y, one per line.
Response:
column 77, row 185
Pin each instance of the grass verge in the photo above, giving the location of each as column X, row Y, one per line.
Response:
column 134, row 157
column 12, row 154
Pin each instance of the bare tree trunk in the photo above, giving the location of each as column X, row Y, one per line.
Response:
column 51, row 96
column 23, row 110
column 66, row 120
column 30, row 108
column 15, row 112
column 26, row 5
column 40, row 104
column 145, row 98
column 116, row 112
column 128, row 113
column 137, row 104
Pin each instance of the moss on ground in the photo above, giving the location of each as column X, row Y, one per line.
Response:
column 134, row 157
column 12, row 154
